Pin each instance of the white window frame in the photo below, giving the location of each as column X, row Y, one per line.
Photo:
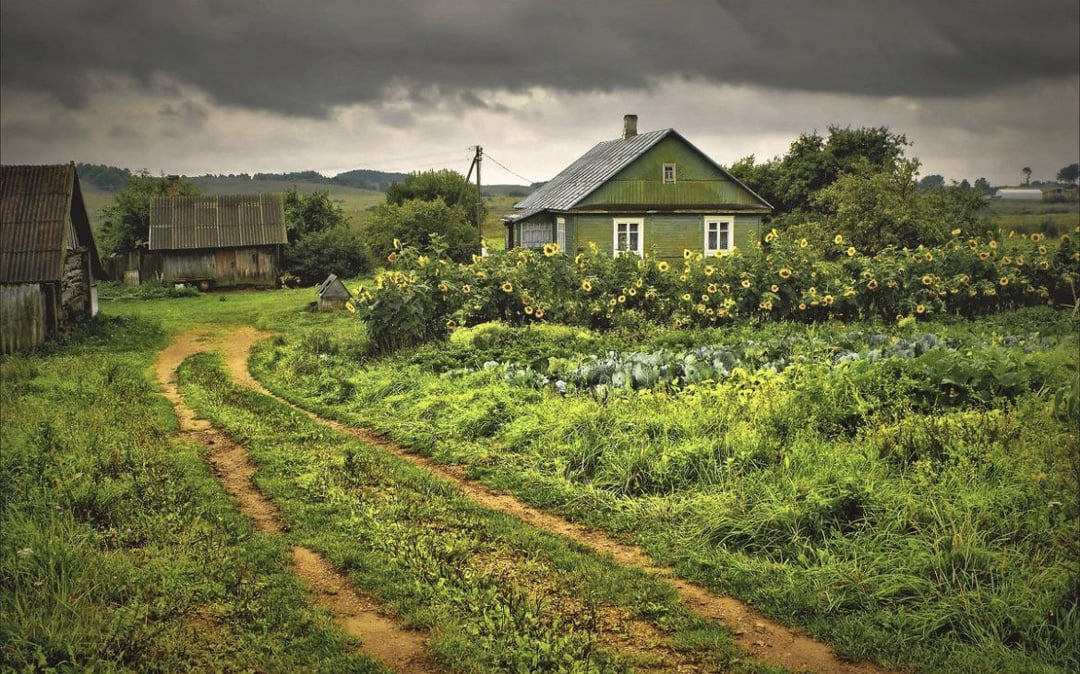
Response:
column 664, row 173
column 534, row 229
column 719, row 221
column 560, row 233
column 628, row 222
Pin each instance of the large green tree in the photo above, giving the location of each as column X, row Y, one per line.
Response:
column 1070, row 173
column 414, row 222
column 126, row 221
column 320, row 241
column 445, row 184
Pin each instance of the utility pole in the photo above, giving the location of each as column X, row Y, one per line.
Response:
column 479, row 199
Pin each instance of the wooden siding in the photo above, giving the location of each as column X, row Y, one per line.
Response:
column 22, row 316
column 665, row 235
column 698, row 182
column 224, row 266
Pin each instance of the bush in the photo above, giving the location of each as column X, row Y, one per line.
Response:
column 333, row 251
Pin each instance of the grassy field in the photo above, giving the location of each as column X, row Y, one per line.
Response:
column 1052, row 219
column 908, row 492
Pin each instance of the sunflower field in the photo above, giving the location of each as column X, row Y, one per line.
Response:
column 420, row 297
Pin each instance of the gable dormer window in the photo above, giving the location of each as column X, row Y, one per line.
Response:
column 669, row 173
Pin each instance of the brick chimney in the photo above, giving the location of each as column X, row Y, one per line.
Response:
column 172, row 186
column 629, row 125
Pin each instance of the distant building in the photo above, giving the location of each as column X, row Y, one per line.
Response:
column 48, row 261
column 1019, row 194
column 1060, row 194
column 650, row 192
column 231, row 240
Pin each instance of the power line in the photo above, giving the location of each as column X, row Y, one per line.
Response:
column 487, row 155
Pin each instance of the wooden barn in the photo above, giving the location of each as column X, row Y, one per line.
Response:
column 48, row 261
column 644, row 192
column 215, row 241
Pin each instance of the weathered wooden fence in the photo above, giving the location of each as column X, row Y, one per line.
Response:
column 22, row 316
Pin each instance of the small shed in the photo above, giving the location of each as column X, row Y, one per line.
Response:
column 333, row 294
column 225, row 240
column 48, row 261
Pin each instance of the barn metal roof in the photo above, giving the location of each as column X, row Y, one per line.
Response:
column 226, row 221
column 36, row 205
column 593, row 169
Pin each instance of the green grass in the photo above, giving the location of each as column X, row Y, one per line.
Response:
column 1052, row 219
column 496, row 594
column 119, row 550
column 918, row 510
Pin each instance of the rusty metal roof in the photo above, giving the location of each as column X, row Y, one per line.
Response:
column 42, row 216
column 226, row 221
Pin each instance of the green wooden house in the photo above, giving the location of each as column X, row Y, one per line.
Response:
column 649, row 193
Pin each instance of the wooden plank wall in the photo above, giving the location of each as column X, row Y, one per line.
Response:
column 22, row 316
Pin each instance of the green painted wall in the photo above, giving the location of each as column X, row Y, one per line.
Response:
column 697, row 181
column 665, row 235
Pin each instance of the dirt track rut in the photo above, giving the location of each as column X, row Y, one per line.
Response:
column 765, row 639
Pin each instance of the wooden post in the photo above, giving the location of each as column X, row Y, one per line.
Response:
column 479, row 199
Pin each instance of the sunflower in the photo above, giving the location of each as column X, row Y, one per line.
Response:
column 929, row 257
column 803, row 243
column 851, row 251
column 993, row 244
column 391, row 258
column 973, row 244
column 785, row 273
column 663, row 266
column 586, row 285
column 466, row 289
column 1003, row 281
column 802, row 306
column 927, row 279
column 920, row 309
column 956, row 232
column 622, row 299
column 745, row 283
column 529, row 309
column 539, row 313
column 443, row 287
column 1037, row 237
column 1044, row 265
column 983, row 255
column 687, row 253
column 712, row 288
column 507, row 288
column 766, row 305
column 1042, row 249
column 351, row 307
column 686, row 297
column 774, row 288
column 709, row 270
column 771, row 236
column 827, row 300
column 872, row 284
column 612, row 302
column 550, row 249
column 726, row 287
column 631, row 291
column 838, row 239
column 450, row 325
column 578, row 258
column 1019, row 262
column 1006, row 260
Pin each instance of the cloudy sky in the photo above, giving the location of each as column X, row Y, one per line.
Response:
column 226, row 86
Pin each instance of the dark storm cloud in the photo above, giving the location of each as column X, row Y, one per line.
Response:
column 303, row 59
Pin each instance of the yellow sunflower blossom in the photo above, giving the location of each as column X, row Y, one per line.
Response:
column 802, row 306
column 687, row 253
column 920, row 309
column 1003, row 281
column 507, row 288
column 712, row 288
column 851, row 251
column 956, row 232
column 872, row 284
column 443, row 287
column 391, row 258
column 983, row 255
column 539, row 312
column 774, row 288
column 351, row 307
column 927, row 279
column 586, row 286
column 631, row 291
column 466, row 289
column 993, row 244
column 745, row 283
column 529, row 310
column 663, row 266
column 550, row 249
column 1044, row 265
column 622, row 299
column 785, row 273
column 803, row 243
column 838, row 239
column 686, row 297
column 709, row 270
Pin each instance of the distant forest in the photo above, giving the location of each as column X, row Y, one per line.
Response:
column 112, row 179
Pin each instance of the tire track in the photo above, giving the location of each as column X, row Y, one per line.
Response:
column 765, row 639
column 381, row 637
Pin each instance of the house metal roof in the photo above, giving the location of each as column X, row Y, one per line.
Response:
column 589, row 172
column 593, row 169
column 36, row 205
column 226, row 221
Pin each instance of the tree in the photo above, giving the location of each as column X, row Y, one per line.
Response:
column 126, row 221
column 1069, row 174
column 983, row 185
column 1027, row 174
column 413, row 222
column 307, row 213
column 320, row 242
column 934, row 182
column 448, row 185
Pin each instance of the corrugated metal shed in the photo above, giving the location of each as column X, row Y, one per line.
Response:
column 229, row 221
column 36, row 204
column 597, row 166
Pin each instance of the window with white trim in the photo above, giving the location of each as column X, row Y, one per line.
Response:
column 719, row 234
column 560, row 233
column 669, row 173
column 535, row 234
column 629, row 235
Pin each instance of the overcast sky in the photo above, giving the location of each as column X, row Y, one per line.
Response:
column 227, row 86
